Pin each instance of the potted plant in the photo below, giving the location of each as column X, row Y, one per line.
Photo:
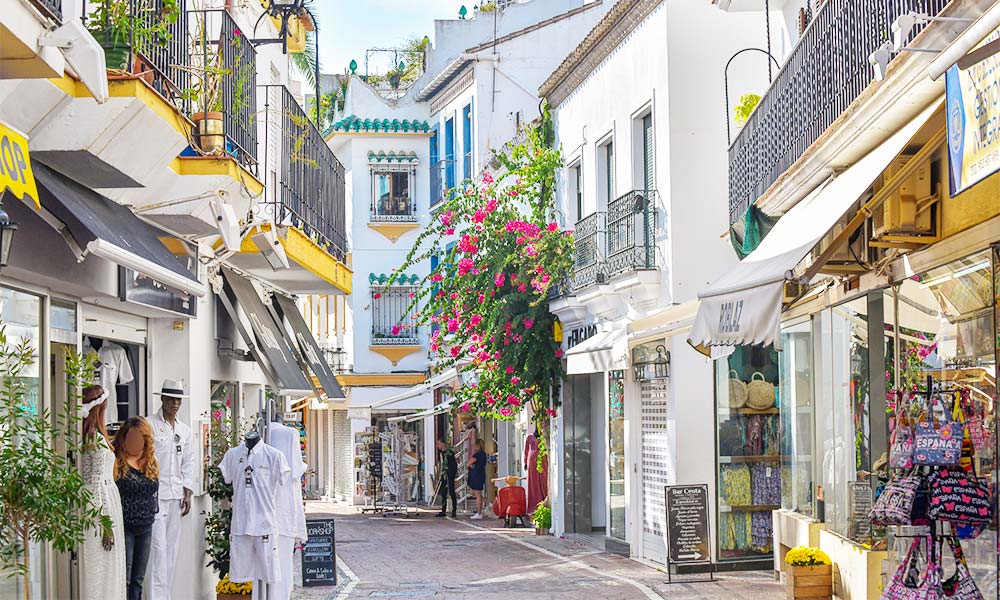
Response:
column 43, row 499
column 223, row 435
column 227, row 590
column 744, row 108
column 542, row 518
column 123, row 28
column 810, row 573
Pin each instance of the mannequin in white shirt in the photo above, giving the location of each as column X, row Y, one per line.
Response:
column 290, row 512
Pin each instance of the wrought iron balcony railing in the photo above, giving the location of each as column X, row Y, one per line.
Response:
column 631, row 223
column 307, row 181
column 392, row 201
column 589, row 266
column 53, row 8
column 148, row 38
column 224, row 67
column 825, row 73
column 390, row 323
column 439, row 179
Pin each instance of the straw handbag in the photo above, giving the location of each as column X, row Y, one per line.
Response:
column 760, row 393
column 737, row 391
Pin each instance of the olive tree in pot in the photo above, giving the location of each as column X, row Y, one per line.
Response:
column 43, row 499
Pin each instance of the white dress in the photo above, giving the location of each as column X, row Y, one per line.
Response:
column 102, row 572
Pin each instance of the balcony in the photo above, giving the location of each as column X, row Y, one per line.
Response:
column 306, row 180
column 393, row 333
column 631, row 221
column 825, row 73
column 53, row 8
column 589, row 266
column 442, row 172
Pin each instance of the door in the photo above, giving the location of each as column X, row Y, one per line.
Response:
column 657, row 466
column 66, row 564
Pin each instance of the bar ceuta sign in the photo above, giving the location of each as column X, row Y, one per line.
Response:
column 973, row 115
column 15, row 166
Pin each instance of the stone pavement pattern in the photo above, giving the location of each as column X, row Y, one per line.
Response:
column 426, row 557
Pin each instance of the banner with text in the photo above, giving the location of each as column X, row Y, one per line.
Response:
column 973, row 116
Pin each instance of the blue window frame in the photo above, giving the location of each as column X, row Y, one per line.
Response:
column 435, row 148
column 449, row 153
column 435, row 175
column 467, row 140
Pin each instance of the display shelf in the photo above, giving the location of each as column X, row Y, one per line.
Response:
column 754, row 411
column 753, row 459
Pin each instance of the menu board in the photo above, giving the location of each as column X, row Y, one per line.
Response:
column 860, row 497
column 687, row 524
column 319, row 560
column 375, row 459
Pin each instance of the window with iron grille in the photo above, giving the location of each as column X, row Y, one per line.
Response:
column 392, row 324
column 392, row 196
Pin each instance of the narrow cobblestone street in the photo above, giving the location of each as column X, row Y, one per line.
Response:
column 423, row 556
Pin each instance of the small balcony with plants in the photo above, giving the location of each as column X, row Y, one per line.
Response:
column 393, row 210
column 393, row 334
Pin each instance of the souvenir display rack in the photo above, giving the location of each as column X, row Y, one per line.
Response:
column 368, row 468
column 399, row 471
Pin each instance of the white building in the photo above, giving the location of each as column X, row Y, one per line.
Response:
column 638, row 109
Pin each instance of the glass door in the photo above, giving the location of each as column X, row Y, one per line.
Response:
column 616, row 454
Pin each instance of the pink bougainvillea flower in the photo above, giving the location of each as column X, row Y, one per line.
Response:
column 479, row 216
column 452, row 325
column 559, row 352
column 515, row 380
column 499, row 279
column 464, row 407
column 435, row 346
column 413, row 294
column 506, row 411
column 446, row 218
column 490, row 401
column 491, row 206
column 522, row 288
column 377, row 295
column 395, row 330
column 475, row 320
column 510, row 369
column 455, row 351
column 528, row 323
column 450, row 231
column 436, row 277
column 550, row 411
column 530, row 250
column 552, row 226
column 513, row 400
column 481, row 298
column 487, row 178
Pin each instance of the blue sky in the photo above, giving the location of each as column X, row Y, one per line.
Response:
column 349, row 27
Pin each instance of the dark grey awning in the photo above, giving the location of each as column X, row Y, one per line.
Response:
column 104, row 228
column 307, row 345
column 268, row 343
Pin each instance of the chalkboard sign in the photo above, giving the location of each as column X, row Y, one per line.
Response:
column 687, row 524
column 860, row 498
column 319, row 560
column 375, row 459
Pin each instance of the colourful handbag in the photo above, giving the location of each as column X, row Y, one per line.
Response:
column 978, row 431
column 959, row 497
column 905, row 587
column 898, row 504
column 938, row 443
column 901, row 451
column 961, row 585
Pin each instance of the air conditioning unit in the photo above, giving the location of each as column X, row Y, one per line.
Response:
column 905, row 211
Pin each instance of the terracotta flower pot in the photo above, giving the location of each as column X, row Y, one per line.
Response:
column 209, row 132
column 811, row 583
column 231, row 596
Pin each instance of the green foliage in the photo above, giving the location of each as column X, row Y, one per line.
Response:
column 223, row 435
column 127, row 22
column 489, row 294
column 42, row 494
column 744, row 108
column 542, row 517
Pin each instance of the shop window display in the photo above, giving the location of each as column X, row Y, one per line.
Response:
column 796, row 410
column 945, row 368
column 616, row 452
column 749, row 451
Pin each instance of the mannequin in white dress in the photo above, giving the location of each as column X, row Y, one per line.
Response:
column 102, row 557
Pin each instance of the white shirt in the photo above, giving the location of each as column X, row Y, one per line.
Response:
column 174, row 452
column 112, row 367
column 256, row 474
column 290, row 513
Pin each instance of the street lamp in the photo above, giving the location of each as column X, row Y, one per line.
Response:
column 7, row 229
column 648, row 369
column 335, row 358
column 282, row 10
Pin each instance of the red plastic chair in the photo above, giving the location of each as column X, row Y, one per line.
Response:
column 511, row 505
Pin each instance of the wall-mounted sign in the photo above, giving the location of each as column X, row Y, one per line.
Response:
column 139, row 288
column 580, row 334
column 972, row 111
column 15, row 166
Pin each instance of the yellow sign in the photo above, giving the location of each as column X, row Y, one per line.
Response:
column 15, row 166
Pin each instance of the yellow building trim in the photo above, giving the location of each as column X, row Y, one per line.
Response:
column 395, row 353
column 219, row 166
column 313, row 258
column 380, row 379
column 393, row 231
column 131, row 87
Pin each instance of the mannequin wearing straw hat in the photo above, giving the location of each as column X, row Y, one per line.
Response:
column 176, row 457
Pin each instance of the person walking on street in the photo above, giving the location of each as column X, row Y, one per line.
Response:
column 102, row 557
column 449, row 470
column 138, row 477
column 175, row 457
column 477, row 477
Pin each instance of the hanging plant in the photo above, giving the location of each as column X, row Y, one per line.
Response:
column 500, row 253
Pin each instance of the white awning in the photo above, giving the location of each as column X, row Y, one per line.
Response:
column 430, row 412
column 604, row 351
column 442, row 379
column 743, row 307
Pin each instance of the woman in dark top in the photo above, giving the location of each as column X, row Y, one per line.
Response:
column 477, row 477
column 137, row 475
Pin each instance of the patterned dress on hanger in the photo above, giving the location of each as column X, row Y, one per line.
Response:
column 102, row 572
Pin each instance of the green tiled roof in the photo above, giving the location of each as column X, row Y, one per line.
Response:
column 353, row 123
column 392, row 157
column 403, row 279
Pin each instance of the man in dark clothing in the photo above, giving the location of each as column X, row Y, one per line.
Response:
column 449, row 470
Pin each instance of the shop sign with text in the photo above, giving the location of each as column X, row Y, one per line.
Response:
column 973, row 117
column 15, row 166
